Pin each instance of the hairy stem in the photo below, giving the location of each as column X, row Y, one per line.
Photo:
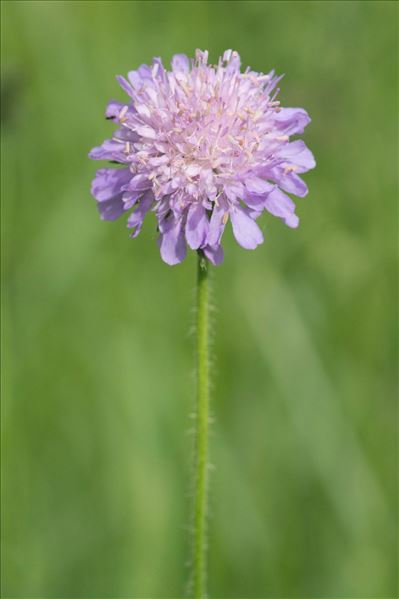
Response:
column 201, row 434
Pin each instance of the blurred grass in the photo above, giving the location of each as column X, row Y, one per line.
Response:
column 97, row 359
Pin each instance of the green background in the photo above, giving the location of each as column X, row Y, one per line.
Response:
column 98, row 382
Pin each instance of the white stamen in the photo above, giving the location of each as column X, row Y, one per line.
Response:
column 122, row 113
column 290, row 168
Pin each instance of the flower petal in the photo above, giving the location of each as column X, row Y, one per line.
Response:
column 245, row 230
column 217, row 223
column 197, row 226
column 257, row 185
column 138, row 183
column 233, row 190
column 281, row 205
column 298, row 154
column 111, row 209
column 108, row 182
column 171, row 241
column 125, row 85
column 214, row 254
column 109, row 150
column 255, row 202
column 291, row 183
column 135, row 220
column 146, row 132
column 129, row 198
column 232, row 58
column 180, row 63
column 140, row 76
column 291, row 121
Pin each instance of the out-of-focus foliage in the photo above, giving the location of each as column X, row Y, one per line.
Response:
column 97, row 356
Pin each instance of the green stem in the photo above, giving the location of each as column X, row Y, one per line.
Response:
column 202, row 424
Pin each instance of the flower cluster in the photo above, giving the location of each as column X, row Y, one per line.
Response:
column 199, row 145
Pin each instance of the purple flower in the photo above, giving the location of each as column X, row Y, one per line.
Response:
column 198, row 145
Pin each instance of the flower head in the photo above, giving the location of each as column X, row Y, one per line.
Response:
column 199, row 145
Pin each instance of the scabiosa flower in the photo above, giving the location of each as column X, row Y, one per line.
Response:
column 199, row 145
